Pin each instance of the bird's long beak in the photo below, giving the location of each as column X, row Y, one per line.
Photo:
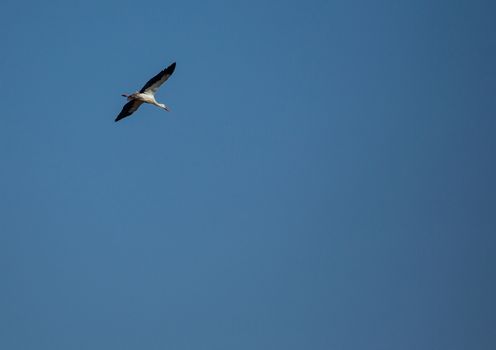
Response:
column 124, row 95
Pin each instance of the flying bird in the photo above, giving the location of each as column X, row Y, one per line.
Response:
column 146, row 94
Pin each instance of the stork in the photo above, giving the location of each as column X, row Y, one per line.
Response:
column 146, row 94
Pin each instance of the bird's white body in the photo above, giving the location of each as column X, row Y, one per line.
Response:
column 146, row 98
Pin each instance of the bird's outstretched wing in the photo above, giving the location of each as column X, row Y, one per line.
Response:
column 128, row 109
column 154, row 83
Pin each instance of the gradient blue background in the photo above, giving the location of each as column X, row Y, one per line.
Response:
column 325, row 180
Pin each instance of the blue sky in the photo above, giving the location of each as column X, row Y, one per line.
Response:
column 325, row 179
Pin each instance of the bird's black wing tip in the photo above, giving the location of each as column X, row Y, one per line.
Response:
column 120, row 117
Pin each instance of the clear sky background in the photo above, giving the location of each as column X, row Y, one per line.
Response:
column 325, row 180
